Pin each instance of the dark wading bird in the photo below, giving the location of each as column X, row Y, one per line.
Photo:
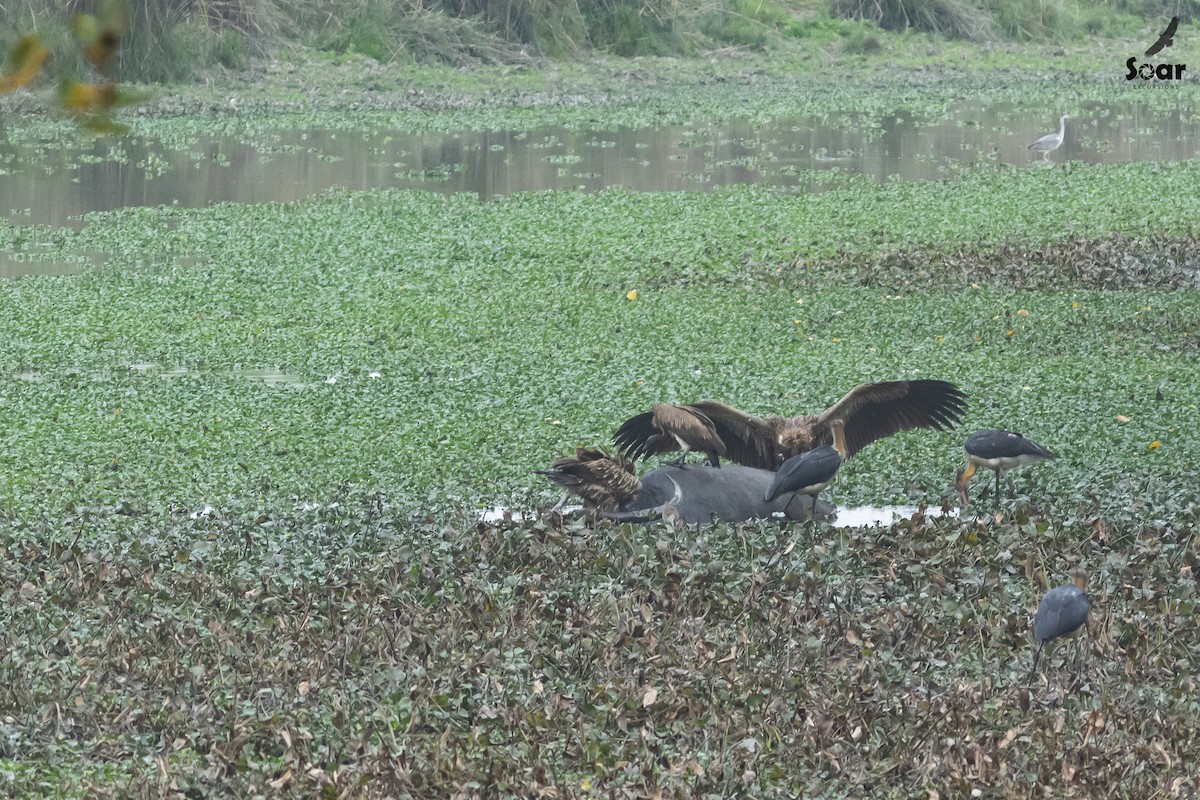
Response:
column 1062, row 612
column 997, row 450
column 1051, row 141
column 809, row 473
column 870, row 412
column 609, row 487
column 1167, row 39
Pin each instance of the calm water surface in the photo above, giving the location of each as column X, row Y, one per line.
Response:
column 803, row 154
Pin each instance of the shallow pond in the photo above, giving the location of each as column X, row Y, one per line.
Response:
column 46, row 186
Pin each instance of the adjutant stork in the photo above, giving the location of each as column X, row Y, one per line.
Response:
column 809, row 473
column 997, row 450
column 1062, row 612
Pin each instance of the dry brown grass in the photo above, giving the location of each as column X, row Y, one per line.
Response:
column 344, row 653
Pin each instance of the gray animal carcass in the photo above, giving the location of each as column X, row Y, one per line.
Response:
column 703, row 494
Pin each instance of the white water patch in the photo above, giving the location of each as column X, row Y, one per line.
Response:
column 856, row 517
column 500, row 514
column 866, row 516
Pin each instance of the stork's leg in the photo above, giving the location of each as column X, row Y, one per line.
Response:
column 1081, row 654
column 678, row 462
column 713, row 461
column 1036, row 655
column 997, row 498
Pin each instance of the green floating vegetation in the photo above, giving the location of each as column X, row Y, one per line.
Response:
column 439, row 349
column 243, row 458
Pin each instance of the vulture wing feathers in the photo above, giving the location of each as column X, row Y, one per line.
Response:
column 663, row 428
column 750, row 441
column 604, row 481
column 875, row 411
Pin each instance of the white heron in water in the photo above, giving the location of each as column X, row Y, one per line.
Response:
column 1051, row 141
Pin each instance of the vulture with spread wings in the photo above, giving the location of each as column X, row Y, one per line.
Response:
column 870, row 412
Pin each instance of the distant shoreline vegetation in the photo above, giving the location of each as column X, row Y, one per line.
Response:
column 176, row 40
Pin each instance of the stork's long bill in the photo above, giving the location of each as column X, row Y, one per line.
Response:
column 838, row 428
column 960, row 482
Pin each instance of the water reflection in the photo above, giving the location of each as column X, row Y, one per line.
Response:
column 802, row 154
